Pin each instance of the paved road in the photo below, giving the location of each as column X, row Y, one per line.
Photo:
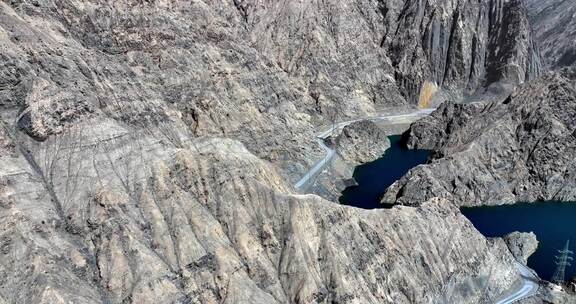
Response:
column 529, row 287
column 319, row 166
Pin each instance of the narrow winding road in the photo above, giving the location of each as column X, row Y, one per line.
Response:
column 320, row 137
column 528, row 288
column 530, row 281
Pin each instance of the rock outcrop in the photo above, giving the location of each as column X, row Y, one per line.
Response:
column 521, row 244
column 390, row 52
column 361, row 142
column 522, row 149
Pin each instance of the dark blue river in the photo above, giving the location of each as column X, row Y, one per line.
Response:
column 375, row 177
column 552, row 222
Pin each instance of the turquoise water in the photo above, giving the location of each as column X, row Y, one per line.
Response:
column 375, row 177
column 552, row 222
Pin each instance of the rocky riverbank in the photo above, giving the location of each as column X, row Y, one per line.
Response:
column 521, row 149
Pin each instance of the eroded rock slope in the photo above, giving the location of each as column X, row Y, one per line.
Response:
column 361, row 142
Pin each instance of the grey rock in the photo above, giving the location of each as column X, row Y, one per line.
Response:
column 459, row 47
column 554, row 30
column 264, row 73
column 521, row 244
column 390, row 52
column 522, row 149
column 361, row 142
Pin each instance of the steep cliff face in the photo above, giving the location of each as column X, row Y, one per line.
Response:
column 383, row 52
column 554, row 26
column 328, row 58
column 522, row 149
column 459, row 46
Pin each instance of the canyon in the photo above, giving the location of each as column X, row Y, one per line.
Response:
column 150, row 149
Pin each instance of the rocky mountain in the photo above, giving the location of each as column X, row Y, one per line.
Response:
column 261, row 72
column 522, row 149
column 554, row 23
column 149, row 148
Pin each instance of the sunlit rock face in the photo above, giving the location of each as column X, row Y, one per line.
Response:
column 361, row 142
